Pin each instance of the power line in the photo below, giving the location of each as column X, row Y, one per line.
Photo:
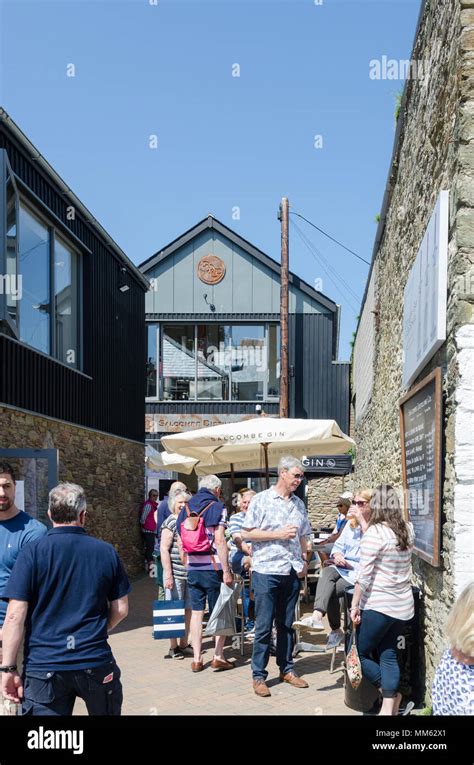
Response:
column 334, row 276
column 318, row 256
column 292, row 212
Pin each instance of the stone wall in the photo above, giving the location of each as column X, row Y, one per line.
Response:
column 434, row 152
column 110, row 469
column 322, row 495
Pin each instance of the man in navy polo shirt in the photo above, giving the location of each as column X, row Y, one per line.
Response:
column 68, row 590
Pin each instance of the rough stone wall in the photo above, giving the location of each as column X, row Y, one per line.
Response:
column 322, row 495
column 435, row 153
column 110, row 469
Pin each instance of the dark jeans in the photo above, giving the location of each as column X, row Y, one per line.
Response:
column 54, row 693
column 275, row 598
column 378, row 632
column 149, row 542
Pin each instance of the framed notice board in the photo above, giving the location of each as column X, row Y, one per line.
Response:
column 420, row 430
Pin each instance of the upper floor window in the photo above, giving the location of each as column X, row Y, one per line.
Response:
column 39, row 277
column 213, row 362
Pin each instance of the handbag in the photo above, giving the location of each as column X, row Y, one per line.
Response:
column 353, row 665
column 168, row 619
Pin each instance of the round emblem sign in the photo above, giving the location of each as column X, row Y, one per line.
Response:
column 211, row 269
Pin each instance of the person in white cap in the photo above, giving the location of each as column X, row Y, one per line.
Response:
column 343, row 504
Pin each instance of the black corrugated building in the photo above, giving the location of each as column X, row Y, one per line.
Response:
column 72, row 342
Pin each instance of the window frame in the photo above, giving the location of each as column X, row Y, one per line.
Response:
column 159, row 386
column 76, row 296
column 6, row 171
column 39, row 212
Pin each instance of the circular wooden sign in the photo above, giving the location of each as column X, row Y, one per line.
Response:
column 211, row 269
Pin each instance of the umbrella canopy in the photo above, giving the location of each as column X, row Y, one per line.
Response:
column 165, row 461
column 259, row 442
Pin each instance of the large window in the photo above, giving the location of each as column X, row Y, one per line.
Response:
column 34, row 269
column 151, row 362
column 178, row 363
column 65, row 302
column 49, row 308
column 213, row 368
column 39, row 277
column 213, row 362
column 249, row 362
column 10, row 287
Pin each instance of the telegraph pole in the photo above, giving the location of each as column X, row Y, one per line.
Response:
column 283, row 217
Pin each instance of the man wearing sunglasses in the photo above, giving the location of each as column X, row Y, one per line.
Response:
column 277, row 525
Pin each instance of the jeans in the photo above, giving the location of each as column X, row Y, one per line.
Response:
column 275, row 598
column 54, row 693
column 379, row 632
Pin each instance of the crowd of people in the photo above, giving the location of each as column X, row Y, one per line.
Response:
column 62, row 591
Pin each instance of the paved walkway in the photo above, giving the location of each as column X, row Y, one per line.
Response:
column 154, row 685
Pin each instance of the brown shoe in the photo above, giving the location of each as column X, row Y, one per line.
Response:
column 260, row 687
column 293, row 679
column 220, row 665
column 197, row 666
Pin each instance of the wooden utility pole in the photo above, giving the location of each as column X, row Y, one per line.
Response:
column 283, row 216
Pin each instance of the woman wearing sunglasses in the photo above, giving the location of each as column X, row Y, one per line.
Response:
column 339, row 572
column 383, row 599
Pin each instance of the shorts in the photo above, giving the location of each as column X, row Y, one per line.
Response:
column 180, row 591
column 202, row 585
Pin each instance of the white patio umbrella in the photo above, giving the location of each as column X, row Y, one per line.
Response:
column 166, row 461
column 258, row 443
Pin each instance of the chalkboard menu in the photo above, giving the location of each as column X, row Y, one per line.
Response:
column 420, row 425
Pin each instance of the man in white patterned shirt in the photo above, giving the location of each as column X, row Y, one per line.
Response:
column 277, row 525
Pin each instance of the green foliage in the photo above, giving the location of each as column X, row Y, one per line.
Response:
column 398, row 105
column 377, row 218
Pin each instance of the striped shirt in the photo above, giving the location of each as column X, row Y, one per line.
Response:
column 235, row 527
column 177, row 567
column 385, row 573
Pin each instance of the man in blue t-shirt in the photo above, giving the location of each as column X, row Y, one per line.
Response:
column 17, row 529
column 67, row 590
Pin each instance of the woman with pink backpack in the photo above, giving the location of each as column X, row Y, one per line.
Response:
column 201, row 525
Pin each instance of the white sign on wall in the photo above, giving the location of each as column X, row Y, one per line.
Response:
column 424, row 307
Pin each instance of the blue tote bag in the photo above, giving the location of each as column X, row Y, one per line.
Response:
column 168, row 619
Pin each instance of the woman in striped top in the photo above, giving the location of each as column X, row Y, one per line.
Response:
column 175, row 576
column 383, row 599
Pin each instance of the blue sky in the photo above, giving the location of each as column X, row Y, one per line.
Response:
column 224, row 142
